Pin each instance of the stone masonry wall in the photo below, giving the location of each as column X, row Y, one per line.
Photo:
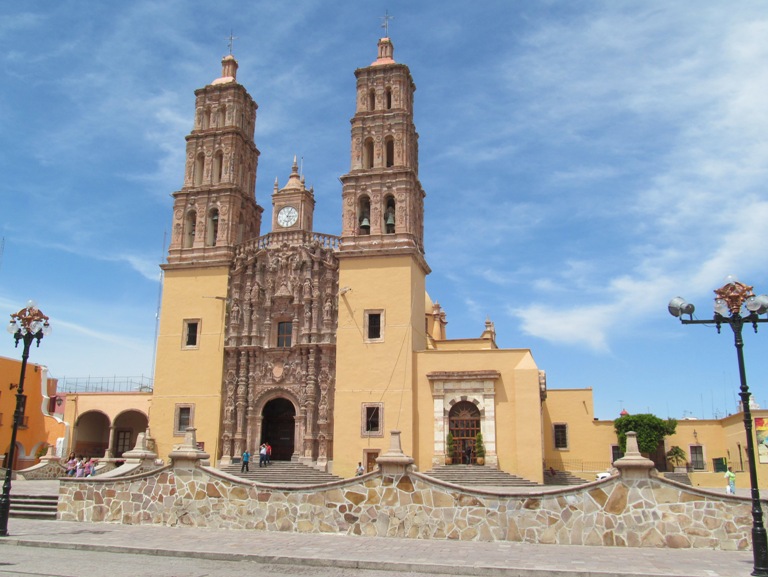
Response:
column 625, row 512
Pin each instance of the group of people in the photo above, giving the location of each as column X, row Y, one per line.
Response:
column 265, row 457
column 80, row 466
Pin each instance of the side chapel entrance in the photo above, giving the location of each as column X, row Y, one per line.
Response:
column 464, row 425
column 278, row 428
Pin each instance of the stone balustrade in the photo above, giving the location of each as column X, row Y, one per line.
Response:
column 630, row 509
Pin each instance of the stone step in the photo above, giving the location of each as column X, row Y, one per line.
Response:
column 34, row 506
column 282, row 473
column 679, row 477
column 561, row 478
column 478, row 475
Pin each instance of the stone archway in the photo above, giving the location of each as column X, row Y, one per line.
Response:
column 125, row 430
column 278, row 428
column 464, row 425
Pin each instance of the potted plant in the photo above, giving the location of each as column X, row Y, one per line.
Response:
column 479, row 449
column 449, row 449
column 678, row 458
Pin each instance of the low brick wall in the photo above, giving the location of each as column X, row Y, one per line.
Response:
column 649, row 512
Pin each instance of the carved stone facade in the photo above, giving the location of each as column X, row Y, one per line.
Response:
column 280, row 344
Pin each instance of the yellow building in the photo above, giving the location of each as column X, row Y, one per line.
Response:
column 316, row 343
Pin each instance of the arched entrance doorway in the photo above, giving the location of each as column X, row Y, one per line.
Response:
column 278, row 428
column 464, row 425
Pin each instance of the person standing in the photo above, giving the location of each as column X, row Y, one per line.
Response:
column 269, row 453
column 359, row 472
column 246, row 460
column 731, row 478
column 263, row 455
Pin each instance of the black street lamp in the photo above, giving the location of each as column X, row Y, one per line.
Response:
column 27, row 325
column 728, row 304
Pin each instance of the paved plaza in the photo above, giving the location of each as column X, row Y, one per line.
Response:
column 380, row 554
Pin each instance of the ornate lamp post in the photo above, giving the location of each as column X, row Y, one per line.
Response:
column 27, row 325
column 728, row 306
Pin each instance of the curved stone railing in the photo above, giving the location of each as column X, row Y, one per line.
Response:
column 623, row 510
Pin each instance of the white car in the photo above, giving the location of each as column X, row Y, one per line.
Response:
column 601, row 476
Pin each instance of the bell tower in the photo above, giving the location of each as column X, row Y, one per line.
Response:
column 216, row 208
column 214, row 214
column 382, row 198
column 382, row 269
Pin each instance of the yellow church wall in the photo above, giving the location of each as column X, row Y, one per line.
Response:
column 517, row 405
column 190, row 377
column 381, row 371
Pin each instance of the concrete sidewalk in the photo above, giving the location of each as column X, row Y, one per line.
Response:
column 396, row 555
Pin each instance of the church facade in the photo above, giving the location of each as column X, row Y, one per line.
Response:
column 317, row 343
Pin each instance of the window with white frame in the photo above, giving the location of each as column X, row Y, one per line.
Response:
column 191, row 336
column 372, row 420
column 184, row 416
column 374, row 326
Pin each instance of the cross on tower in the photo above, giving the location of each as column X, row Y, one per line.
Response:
column 385, row 23
column 232, row 39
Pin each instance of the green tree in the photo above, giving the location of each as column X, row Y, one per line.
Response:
column 479, row 446
column 676, row 456
column 650, row 430
column 449, row 444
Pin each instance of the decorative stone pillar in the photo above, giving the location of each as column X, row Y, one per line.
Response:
column 141, row 453
column 394, row 462
column 187, row 455
column 633, row 465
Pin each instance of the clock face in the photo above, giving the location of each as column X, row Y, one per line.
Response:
column 287, row 216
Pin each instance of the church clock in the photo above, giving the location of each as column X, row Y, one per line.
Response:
column 287, row 216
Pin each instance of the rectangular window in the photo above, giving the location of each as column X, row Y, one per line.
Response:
column 284, row 333
column 697, row 458
column 374, row 326
column 123, row 442
column 372, row 420
column 561, row 436
column 184, row 417
column 191, row 333
column 616, row 453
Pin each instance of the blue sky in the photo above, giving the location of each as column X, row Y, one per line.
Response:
column 583, row 163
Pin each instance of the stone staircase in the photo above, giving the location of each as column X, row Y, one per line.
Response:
column 41, row 507
column 282, row 473
column 478, row 476
column 562, row 478
column 679, row 477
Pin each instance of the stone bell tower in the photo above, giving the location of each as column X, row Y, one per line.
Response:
column 216, row 208
column 382, row 269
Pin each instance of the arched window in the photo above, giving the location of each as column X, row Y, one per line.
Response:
column 389, row 146
column 199, row 166
column 190, row 225
column 371, row 99
column 389, row 98
column 218, row 166
column 364, row 215
column 220, row 116
column 212, row 228
column 389, row 215
column 207, row 118
column 368, row 153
